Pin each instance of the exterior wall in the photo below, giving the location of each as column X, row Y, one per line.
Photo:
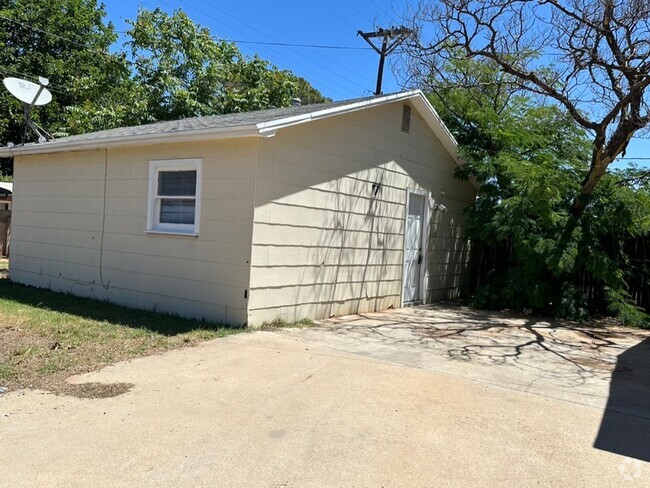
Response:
column 323, row 244
column 66, row 236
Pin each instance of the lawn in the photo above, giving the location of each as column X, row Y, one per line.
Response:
column 46, row 337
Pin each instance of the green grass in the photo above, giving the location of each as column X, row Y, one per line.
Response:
column 47, row 336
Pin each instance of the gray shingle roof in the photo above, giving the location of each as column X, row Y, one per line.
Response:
column 241, row 119
column 246, row 124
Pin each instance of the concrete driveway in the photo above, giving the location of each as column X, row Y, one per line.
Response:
column 425, row 397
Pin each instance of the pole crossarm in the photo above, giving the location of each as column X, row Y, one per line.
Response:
column 390, row 39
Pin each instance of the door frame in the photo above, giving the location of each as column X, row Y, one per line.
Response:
column 426, row 216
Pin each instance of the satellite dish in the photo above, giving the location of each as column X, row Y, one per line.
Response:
column 28, row 92
column 31, row 95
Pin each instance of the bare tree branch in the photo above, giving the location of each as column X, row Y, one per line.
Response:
column 592, row 58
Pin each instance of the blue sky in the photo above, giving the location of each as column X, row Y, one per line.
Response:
column 337, row 73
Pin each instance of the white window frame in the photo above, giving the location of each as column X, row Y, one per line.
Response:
column 154, row 226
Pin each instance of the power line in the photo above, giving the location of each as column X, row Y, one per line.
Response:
column 38, row 29
column 372, row 22
column 380, row 8
column 337, row 15
column 309, row 46
column 28, row 26
column 51, row 87
column 291, row 61
column 244, row 34
column 271, row 27
column 43, row 31
column 275, row 40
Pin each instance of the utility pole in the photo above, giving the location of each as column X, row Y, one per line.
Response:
column 390, row 39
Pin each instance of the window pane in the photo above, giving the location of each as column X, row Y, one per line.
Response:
column 177, row 183
column 177, row 211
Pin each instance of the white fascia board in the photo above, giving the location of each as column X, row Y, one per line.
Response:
column 263, row 129
column 274, row 125
column 134, row 140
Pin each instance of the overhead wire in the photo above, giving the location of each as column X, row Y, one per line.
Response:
column 389, row 16
column 309, row 46
column 299, row 54
column 295, row 43
column 325, row 7
column 54, row 88
column 288, row 61
column 372, row 22
column 44, row 31
column 66, row 39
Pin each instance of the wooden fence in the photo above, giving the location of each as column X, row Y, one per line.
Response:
column 487, row 260
column 5, row 233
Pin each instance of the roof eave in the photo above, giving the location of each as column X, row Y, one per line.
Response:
column 274, row 125
column 135, row 140
column 263, row 129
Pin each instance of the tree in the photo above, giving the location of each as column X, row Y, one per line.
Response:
column 308, row 94
column 63, row 40
column 168, row 68
column 590, row 57
column 187, row 72
column 527, row 156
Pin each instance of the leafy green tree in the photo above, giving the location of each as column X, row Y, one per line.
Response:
column 186, row 72
column 307, row 93
column 169, row 68
column 528, row 158
column 76, row 59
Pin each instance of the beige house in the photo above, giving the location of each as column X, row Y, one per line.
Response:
column 297, row 212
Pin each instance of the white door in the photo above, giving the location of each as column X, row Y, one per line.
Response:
column 413, row 253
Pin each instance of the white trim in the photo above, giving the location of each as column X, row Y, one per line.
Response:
column 263, row 129
column 189, row 135
column 155, row 227
column 275, row 125
column 426, row 217
column 175, row 234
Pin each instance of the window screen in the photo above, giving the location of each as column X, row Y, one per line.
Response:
column 177, row 184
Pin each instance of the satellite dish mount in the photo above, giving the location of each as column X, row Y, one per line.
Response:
column 31, row 95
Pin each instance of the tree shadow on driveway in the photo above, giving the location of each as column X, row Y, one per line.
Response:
column 589, row 363
column 625, row 427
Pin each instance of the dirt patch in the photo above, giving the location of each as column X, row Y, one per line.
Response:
column 462, row 333
column 594, row 363
column 97, row 390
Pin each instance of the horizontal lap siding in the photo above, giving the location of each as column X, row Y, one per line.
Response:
column 57, row 237
column 323, row 244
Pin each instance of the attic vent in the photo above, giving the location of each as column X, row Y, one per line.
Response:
column 406, row 118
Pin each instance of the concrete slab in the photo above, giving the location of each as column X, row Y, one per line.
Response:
column 282, row 410
column 569, row 362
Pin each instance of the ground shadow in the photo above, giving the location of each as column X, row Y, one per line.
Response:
column 89, row 308
column 625, row 427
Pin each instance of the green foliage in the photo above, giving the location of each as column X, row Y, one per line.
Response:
column 188, row 73
column 78, row 70
column 168, row 68
column 530, row 159
column 308, row 94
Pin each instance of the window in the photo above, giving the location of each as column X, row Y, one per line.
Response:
column 174, row 196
